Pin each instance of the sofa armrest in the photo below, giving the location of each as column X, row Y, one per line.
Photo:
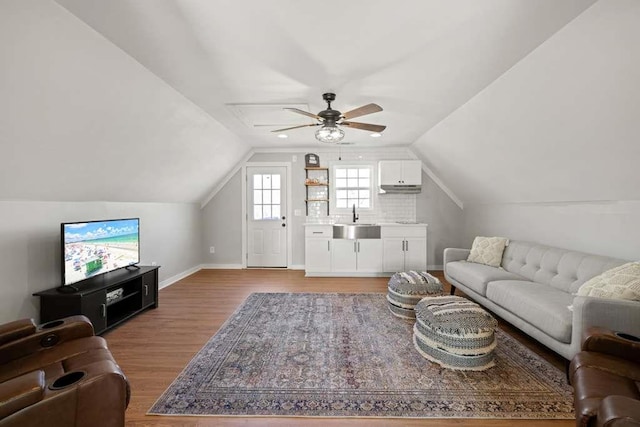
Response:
column 47, row 336
column 455, row 254
column 15, row 330
column 616, row 315
column 20, row 392
column 618, row 411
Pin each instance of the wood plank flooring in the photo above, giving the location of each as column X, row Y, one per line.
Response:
column 154, row 347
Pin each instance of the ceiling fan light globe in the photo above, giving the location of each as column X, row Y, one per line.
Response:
column 329, row 134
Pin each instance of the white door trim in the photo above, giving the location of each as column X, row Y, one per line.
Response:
column 287, row 166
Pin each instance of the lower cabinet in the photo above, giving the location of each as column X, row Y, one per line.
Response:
column 404, row 254
column 400, row 248
column 404, row 248
column 317, row 248
column 317, row 255
column 356, row 256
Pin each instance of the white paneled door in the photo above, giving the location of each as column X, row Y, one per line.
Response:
column 266, row 216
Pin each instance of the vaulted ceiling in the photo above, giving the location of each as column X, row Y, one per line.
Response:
column 157, row 100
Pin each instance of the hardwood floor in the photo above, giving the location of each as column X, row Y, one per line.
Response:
column 154, row 347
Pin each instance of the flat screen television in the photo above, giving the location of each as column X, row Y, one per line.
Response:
column 91, row 248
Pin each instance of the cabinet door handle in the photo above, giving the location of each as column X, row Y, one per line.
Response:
column 146, row 290
column 329, row 245
column 406, row 245
column 403, row 246
column 358, row 246
column 103, row 310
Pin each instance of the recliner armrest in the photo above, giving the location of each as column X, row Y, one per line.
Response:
column 47, row 336
column 618, row 411
column 15, row 330
column 20, row 392
column 606, row 341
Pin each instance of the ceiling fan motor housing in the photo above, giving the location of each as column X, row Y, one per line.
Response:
column 330, row 116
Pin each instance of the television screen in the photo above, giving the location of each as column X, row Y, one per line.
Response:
column 97, row 247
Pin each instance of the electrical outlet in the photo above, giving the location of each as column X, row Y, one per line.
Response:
column 294, row 158
column 153, row 263
column 212, row 249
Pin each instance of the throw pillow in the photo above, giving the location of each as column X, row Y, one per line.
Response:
column 618, row 283
column 488, row 250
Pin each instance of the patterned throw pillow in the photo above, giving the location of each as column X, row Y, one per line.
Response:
column 488, row 250
column 618, row 283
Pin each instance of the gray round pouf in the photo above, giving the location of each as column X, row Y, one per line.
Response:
column 406, row 289
column 455, row 333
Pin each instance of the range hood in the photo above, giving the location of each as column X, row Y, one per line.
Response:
column 400, row 189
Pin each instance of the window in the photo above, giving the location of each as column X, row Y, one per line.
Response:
column 353, row 186
column 266, row 197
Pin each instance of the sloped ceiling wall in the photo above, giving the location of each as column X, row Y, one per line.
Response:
column 562, row 125
column 81, row 120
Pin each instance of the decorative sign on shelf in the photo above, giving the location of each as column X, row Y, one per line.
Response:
column 312, row 160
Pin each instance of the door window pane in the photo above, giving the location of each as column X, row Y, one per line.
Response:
column 266, row 196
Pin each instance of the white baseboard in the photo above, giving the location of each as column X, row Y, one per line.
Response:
column 239, row 267
column 173, row 279
column 221, row 266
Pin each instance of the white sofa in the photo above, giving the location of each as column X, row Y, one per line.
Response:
column 534, row 288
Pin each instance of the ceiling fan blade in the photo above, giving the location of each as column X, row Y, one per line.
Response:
column 361, row 111
column 296, row 127
column 304, row 113
column 364, row 126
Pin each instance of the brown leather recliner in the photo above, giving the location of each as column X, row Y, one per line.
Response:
column 59, row 374
column 605, row 376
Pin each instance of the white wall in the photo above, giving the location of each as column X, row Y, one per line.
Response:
column 30, row 244
column 222, row 216
column 222, row 225
column 603, row 228
column 561, row 125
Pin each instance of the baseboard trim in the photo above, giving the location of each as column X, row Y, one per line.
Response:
column 240, row 267
column 173, row 279
column 221, row 266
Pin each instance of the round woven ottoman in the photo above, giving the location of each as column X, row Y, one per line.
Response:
column 454, row 333
column 406, row 289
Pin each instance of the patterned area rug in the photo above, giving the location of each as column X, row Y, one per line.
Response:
column 346, row 355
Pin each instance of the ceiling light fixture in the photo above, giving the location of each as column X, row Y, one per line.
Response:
column 283, row 135
column 329, row 134
column 376, row 135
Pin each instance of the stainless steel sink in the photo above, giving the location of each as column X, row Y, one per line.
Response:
column 356, row 231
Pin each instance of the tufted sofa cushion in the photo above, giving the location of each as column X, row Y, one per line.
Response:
column 563, row 269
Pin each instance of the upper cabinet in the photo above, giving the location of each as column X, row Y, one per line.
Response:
column 400, row 172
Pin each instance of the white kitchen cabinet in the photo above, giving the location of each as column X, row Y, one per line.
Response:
column 400, row 172
column 317, row 248
column 356, row 256
column 404, row 248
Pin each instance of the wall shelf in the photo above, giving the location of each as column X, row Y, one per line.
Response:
column 319, row 178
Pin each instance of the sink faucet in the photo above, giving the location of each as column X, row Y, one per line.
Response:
column 355, row 217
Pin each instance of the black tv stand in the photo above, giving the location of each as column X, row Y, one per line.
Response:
column 67, row 289
column 107, row 300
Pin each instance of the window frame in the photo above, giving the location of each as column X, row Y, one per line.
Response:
column 334, row 187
